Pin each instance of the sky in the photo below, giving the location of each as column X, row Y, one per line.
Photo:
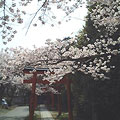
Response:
column 38, row 35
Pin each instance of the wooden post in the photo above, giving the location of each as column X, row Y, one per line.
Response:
column 32, row 101
column 48, row 99
column 70, row 115
column 59, row 104
column 35, row 102
column 52, row 100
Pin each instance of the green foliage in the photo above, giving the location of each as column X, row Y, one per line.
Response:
column 0, row 78
column 2, row 110
column 63, row 116
column 36, row 117
column 81, row 38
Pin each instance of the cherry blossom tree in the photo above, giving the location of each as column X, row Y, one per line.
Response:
column 63, row 57
column 95, row 57
column 13, row 14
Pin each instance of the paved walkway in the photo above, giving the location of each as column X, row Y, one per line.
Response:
column 45, row 114
column 19, row 113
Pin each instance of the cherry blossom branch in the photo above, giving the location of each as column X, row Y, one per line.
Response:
column 82, row 60
column 4, row 9
column 36, row 15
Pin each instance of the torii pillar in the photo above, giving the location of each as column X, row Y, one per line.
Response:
column 33, row 96
column 52, row 100
column 68, row 86
column 59, row 104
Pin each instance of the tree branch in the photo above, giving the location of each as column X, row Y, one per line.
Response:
column 35, row 15
column 84, row 59
column 4, row 9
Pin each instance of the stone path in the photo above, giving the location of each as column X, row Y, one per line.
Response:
column 19, row 113
column 45, row 114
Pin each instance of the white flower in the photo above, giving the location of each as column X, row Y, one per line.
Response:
column 115, row 52
column 118, row 8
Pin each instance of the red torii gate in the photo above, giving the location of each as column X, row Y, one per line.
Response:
column 34, row 80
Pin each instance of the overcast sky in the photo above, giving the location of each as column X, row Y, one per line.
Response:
column 37, row 35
